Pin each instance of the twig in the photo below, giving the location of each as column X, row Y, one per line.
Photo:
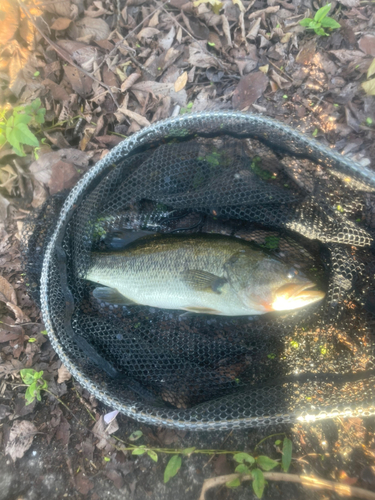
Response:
column 222, row 444
column 281, row 71
column 61, row 53
column 311, row 482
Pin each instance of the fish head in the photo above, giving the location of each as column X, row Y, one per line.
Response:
column 279, row 288
column 295, row 295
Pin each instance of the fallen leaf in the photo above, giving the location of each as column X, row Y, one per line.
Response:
column 369, row 87
column 260, row 12
column 63, row 374
column 81, row 83
column 21, row 317
column 367, row 44
column 200, row 59
column 4, row 411
column 83, row 483
column 57, row 91
column 90, row 26
column 4, row 203
column 162, row 90
column 116, row 477
column 61, row 8
column 249, row 89
column 346, row 56
column 141, row 120
column 181, row 82
column 63, row 176
column 42, row 168
column 350, row 3
column 63, row 431
column 20, row 438
column 7, row 291
column 9, row 19
column 154, row 21
column 240, row 5
column 371, row 69
column 61, row 23
column 216, row 5
column 166, row 42
column 129, row 82
column 226, row 29
column 147, row 33
column 253, row 33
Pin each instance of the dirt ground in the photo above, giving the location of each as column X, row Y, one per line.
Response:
column 97, row 72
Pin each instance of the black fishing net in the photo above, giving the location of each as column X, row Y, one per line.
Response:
column 238, row 175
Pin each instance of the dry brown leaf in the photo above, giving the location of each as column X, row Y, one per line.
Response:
column 40, row 195
column 131, row 79
column 80, row 82
column 253, row 33
column 42, row 169
column 350, row 3
column 21, row 317
column 62, row 23
column 166, row 42
column 181, row 82
column 249, row 89
column 147, row 33
column 4, row 203
column 63, row 374
column 226, row 29
column 154, row 21
column 240, row 5
column 20, row 438
column 9, row 19
column 346, row 56
column 200, row 59
column 57, row 91
column 89, row 26
column 367, row 44
column 141, row 120
column 162, row 90
column 87, row 136
column 7, row 291
column 59, row 7
column 260, row 12
column 63, row 176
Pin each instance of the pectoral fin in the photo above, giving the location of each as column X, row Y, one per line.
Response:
column 204, row 281
column 111, row 296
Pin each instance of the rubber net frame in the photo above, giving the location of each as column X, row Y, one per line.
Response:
column 227, row 173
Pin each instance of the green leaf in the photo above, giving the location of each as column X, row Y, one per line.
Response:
column 188, row 451
column 107, row 459
column 36, row 104
column 266, row 463
column 24, row 135
column 320, row 32
column 278, row 442
column 22, row 118
column 369, row 87
column 314, row 25
column 306, row 22
column 244, row 457
column 258, row 482
column 328, row 22
column 139, row 451
column 234, row 483
column 32, row 339
column 287, row 454
column 173, row 466
column 28, row 375
column 152, row 455
column 135, row 435
column 322, row 12
column 242, row 469
column 371, row 69
column 39, row 118
column 2, row 139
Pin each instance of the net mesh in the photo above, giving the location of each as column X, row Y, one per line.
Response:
column 242, row 176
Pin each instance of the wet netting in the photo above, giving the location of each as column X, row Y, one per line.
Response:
column 222, row 173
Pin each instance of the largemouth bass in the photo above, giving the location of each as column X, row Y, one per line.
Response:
column 208, row 274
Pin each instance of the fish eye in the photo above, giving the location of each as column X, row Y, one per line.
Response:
column 292, row 273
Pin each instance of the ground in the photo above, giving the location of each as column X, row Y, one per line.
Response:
column 92, row 73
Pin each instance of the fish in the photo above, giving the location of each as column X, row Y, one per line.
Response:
column 199, row 273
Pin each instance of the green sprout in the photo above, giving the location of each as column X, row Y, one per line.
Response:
column 320, row 21
column 35, row 383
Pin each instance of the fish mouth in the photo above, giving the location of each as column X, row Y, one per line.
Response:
column 296, row 295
